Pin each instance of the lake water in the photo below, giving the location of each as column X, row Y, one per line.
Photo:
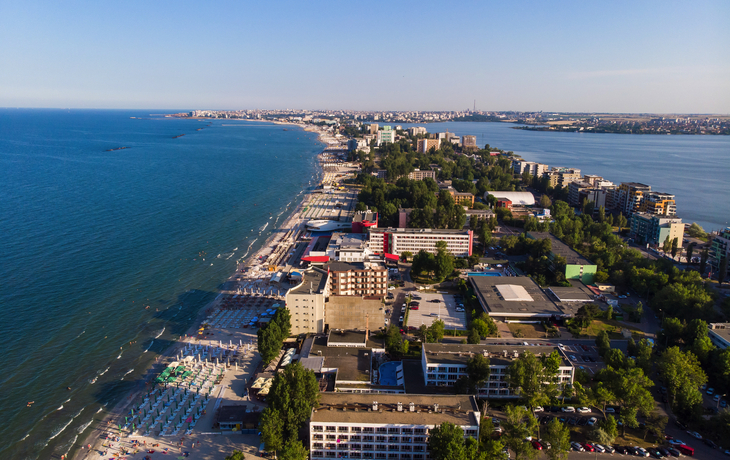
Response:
column 694, row 168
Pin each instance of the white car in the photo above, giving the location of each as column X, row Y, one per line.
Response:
column 599, row 448
column 539, row 409
column 577, row 447
column 592, row 421
column 694, row 434
column 642, row 452
column 583, row 410
column 568, row 409
column 573, row 358
column 676, row 442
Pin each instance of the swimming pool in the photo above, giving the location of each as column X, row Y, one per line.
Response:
column 388, row 373
column 484, row 274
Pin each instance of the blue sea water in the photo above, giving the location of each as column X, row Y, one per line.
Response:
column 694, row 168
column 91, row 238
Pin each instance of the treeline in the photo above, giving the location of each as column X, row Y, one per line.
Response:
column 271, row 337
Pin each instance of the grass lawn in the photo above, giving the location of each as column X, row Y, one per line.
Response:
column 528, row 331
column 613, row 328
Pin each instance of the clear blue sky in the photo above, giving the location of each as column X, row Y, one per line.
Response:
column 632, row 56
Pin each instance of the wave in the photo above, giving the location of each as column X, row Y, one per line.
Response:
column 60, row 430
column 150, row 346
column 104, row 372
column 264, row 227
column 160, row 333
column 68, row 400
column 129, row 372
column 83, row 427
column 120, row 355
column 82, row 333
column 70, row 445
column 60, row 407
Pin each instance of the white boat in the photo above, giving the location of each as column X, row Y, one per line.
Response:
column 327, row 225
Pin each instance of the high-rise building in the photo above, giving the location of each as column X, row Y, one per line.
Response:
column 373, row 128
column 424, row 145
column 535, row 169
column 386, row 135
column 469, row 142
column 306, row 302
column 660, row 203
column 416, row 130
column 630, row 196
column 357, row 279
column 720, row 249
column 654, row 229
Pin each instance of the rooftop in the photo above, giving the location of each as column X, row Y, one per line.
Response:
column 349, row 337
column 499, row 355
column 460, row 410
column 559, row 248
column 570, row 294
column 348, row 241
column 421, row 230
column 337, row 266
column 314, row 279
column 491, row 293
column 352, row 363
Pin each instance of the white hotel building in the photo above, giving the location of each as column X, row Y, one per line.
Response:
column 398, row 240
column 386, row 427
column 444, row 364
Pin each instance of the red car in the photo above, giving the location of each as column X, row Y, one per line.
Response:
column 589, row 447
column 536, row 445
column 414, row 307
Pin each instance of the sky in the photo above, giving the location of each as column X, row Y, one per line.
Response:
column 618, row 56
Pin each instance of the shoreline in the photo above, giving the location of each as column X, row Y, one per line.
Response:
column 268, row 247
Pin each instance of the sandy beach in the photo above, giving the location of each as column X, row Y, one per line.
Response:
column 187, row 411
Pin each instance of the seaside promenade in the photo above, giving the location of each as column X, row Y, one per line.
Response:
column 224, row 380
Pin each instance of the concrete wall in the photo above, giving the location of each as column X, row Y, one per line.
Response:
column 573, row 272
column 349, row 312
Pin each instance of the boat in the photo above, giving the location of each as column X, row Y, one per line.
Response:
column 327, row 225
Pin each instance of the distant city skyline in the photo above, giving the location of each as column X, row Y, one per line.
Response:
column 618, row 57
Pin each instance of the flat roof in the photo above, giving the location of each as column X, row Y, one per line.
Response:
column 721, row 330
column 420, row 230
column 314, row 278
column 559, row 248
column 338, row 336
column 513, row 293
column 337, row 266
column 570, row 294
column 358, row 408
column 352, row 363
column 499, row 355
column 490, row 296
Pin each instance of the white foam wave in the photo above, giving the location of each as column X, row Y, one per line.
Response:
column 160, row 333
column 60, row 407
column 60, row 430
column 83, row 427
column 150, row 346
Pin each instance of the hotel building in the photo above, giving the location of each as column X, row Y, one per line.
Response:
column 387, row 427
column 398, row 240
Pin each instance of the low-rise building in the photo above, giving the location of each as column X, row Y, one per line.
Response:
column 654, row 229
column 561, row 177
column 574, row 192
column 306, row 302
column 399, row 240
column 577, row 267
column 719, row 334
column 416, row 130
column 515, row 198
column 444, row 364
column 349, row 247
column 513, row 297
column 362, row 426
column 420, row 175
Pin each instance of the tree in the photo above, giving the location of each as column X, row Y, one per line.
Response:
column 545, row 201
column 519, row 424
column 558, row 435
column 293, row 394
column 473, row 337
column 655, row 424
column 236, row 455
column 444, row 261
column 446, row 442
column 683, row 377
column 675, row 247
column 477, row 368
column 603, row 342
column 294, row 450
column 690, row 251
column 609, row 427
column 703, row 260
column 696, row 231
column 272, row 429
column 667, row 246
column 533, row 378
column 485, row 328
column 436, row 330
column 621, row 222
column 722, row 271
column 406, row 255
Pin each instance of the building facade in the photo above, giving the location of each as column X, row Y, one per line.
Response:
column 357, row 279
column 561, row 177
column 535, row 169
column 416, row 130
column 385, row 136
column 399, row 240
column 653, row 229
column 420, row 175
column 630, row 197
column 306, row 302
column 444, row 364
column 659, row 203
column 720, row 249
column 424, row 145
column 387, row 427
column 719, row 334
column 469, row 142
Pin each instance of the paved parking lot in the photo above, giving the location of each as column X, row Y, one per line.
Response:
column 430, row 311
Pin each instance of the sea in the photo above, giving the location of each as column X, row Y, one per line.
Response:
column 108, row 254
column 696, row 169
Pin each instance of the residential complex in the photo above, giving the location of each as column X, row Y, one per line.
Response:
column 535, row 169
column 399, row 240
column 420, row 175
column 385, row 135
column 659, row 203
column 469, row 142
column 362, row 426
column 561, row 177
column 444, row 364
column 653, row 229
column 424, row 145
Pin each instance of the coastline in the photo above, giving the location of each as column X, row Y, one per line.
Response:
column 94, row 441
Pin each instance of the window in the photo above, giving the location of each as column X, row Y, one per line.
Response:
column 331, row 437
column 317, row 453
column 316, row 427
column 382, row 429
column 355, row 429
column 331, row 429
column 343, row 429
column 317, row 445
column 381, row 438
column 394, row 430
column 317, row 437
column 367, row 438
column 393, row 439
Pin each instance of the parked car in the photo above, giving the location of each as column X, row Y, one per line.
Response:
column 610, row 410
column 577, row 447
column 710, row 391
column 674, row 452
column 583, row 410
column 539, row 409
column 622, row 450
column 536, row 445
column 641, row 452
column 710, row 443
column 568, row 409
column 609, row 449
column 599, row 448
column 675, row 442
column 589, row 447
